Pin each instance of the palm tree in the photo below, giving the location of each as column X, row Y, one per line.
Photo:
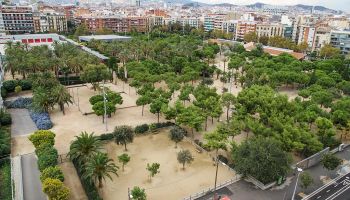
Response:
column 99, row 167
column 84, row 147
column 124, row 135
column 61, row 96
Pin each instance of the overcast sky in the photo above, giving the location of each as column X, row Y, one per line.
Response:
column 334, row 4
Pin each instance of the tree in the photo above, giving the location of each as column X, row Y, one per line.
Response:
column 262, row 158
column 191, row 116
column 99, row 109
column 42, row 100
column 81, row 30
column 143, row 100
column 153, row 169
column 251, row 37
column 228, row 100
column 99, row 167
column 94, row 74
column 184, row 156
column 330, row 161
column 138, row 193
column 156, row 106
column 84, row 147
column 55, row 189
column 124, row 135
column 264, row 40
column 61, row 96
column 306, row 180
column 124, row 159
column 177, row 134
column 327, row 51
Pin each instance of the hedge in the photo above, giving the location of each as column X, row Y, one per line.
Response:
column 55, row 189
column 72, row 80
column 89, row 187
column 53, row 172
column 5, row 118
column 140, row 129
column 47, row 157
column 40, row 137
column 10, row 86
column 21, row 102
column 42, row 120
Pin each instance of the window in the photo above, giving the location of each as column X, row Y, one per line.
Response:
column 24, row 41
column 30, row 40
column 37, row 40
column 43, row 39
column 49, row 40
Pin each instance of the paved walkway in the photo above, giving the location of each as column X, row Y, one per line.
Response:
column 31, row 182
column 22, row 125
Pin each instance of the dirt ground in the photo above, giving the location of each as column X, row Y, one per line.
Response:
column 196, row 177
column 72, row 181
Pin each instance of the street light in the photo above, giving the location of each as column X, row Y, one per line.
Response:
column 296, row 183
column 105, row 105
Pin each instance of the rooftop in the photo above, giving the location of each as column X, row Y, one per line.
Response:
column 104, row 37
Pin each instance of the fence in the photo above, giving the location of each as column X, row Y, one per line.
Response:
column 316, row 158
column 210, row 190
column 312, row 160
column 260, row 184
column 63, row 158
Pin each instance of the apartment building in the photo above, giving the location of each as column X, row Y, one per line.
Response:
column 341, row 40
column 230, row 26
column 155, row 21
column 116, row 23
column 214, row 21
column 17, row 19
column 50, row 22
column 269, row 29
column 244, row 27
column 322, row 37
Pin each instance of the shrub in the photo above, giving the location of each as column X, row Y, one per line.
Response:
column 163, row 124
column 141, row 128
column 18, row 89
column 19, row 103
column 107, row 136
column 41, row 119
column 3, row 92
column 25, row 84
column 42, row 136
column 89, row 187
column 10, row 85
column 55, row 189
column 45, row 148
column 47, row 159
column 52, row 172
column 5, row 143
column 5, row 118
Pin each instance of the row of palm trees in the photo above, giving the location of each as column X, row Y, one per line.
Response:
column 96, row 166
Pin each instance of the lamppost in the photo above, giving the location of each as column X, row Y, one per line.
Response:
column 105, row 105
column 296, row 183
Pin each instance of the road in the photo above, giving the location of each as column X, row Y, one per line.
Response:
column 336, row 190
column 22, row 124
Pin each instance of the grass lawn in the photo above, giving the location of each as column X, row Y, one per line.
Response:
column 5, row 180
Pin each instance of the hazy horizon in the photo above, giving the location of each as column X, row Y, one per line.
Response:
column 343, row 5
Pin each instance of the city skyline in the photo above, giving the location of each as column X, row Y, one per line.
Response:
column 335, row 4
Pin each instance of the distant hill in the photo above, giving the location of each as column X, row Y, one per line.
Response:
column 225, row 5
column 318, row 8
column 257, row 5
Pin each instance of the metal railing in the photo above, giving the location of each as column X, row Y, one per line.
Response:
column 210, row 190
